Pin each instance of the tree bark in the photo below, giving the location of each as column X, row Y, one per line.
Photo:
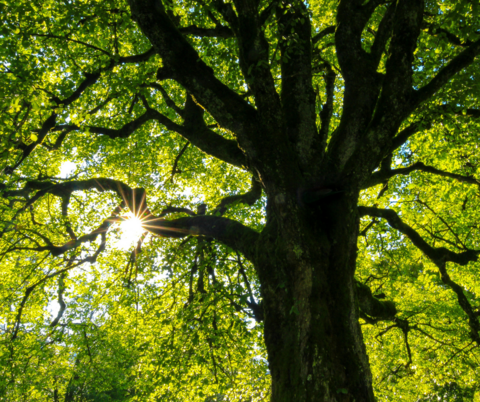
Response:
column 306, row 262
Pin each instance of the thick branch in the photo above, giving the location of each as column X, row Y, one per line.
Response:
column 458, row 63
column 298, row 96
column 351, row 20
column 383, row 34
column 397, row 86
column 229, row 232
column 362, row 86
column 254, row 61
column 327, row 108
column 186, row 67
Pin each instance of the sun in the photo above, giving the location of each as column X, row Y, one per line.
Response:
column 132, row 230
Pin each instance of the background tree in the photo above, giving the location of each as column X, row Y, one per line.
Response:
column 305, row 173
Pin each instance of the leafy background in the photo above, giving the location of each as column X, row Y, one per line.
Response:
column 175, row 324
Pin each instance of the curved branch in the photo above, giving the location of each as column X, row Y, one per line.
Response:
column 248, row 198
column 324, row 32
column 403, row 136
column 199, row 135
column 61, row 301
column 382, row 175
column 439, row 256
column 458, row 63
column 227, row 231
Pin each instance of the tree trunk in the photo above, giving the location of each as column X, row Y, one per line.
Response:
column 306, row 263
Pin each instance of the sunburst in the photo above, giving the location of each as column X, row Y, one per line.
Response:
column 132, row 229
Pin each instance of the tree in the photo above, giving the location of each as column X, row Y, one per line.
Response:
column 331, row 149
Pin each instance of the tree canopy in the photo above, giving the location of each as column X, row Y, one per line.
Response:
column 301, row 169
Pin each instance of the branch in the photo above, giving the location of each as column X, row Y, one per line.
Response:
column 176, row 210
column 177, row 158
column 187, row 68
column 362, row 85
column 218, row 32
column 31, row 288
column 297, row 93
column 28, row 149
column 439, row 256
column 248, row 198
column 403, row 136
column 459, row 111
column 254, row 62
column 199, row 135
column 351, row 19
column 397, row 86
column 90, row 79
column 170, row 103
column 257, row 308
column 229, row 232
column 453, row 39
column 61, row 302
column 326, row 31
column 375, row 308
column 458, row 63
column 66, row 38
column 383, row 34
column 382, row 175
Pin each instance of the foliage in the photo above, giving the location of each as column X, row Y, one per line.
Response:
column 83, row 96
